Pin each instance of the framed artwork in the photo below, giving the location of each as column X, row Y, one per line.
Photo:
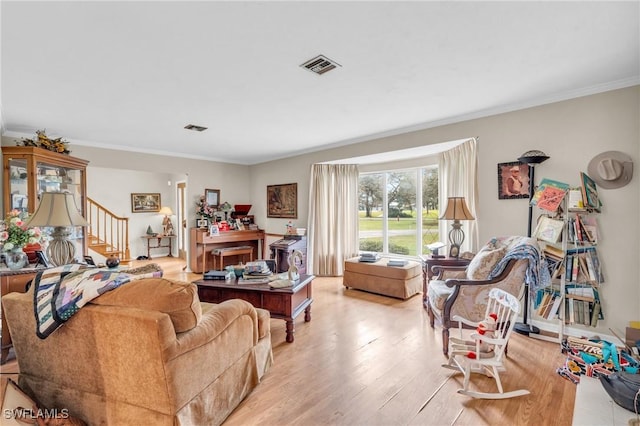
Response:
column 202, row 223
column 145, row 202
column 212, row 197
column 513, row 180
column 282, row 200
column 214, row 230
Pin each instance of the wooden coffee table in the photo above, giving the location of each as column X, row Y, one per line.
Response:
column 282, row 303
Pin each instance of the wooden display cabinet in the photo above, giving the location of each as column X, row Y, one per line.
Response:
column 29, row 171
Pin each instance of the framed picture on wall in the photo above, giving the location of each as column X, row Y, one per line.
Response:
column 282, row 201
column 212, row 197
column 145, row 202
column 513, row 180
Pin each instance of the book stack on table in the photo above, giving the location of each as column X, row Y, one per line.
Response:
column 397, row 262
column 218, row 275
column 256, row 273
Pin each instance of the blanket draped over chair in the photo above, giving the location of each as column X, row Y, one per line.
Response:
column 536, row 275
column 61, row 291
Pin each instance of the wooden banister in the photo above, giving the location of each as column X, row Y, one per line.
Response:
column 108, row 232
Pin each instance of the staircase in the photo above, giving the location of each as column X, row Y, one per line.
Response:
column 108, row 234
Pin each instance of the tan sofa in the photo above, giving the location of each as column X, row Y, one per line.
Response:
column 148, row 352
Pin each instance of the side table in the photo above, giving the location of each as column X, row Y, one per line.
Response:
column 159, row 244
column 429, row 262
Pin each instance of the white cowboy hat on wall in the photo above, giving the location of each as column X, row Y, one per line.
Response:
column 611, row 169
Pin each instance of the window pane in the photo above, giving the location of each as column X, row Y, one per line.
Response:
column 430, row 211
column 393, row 219
column 371, row 212
column 402, row 218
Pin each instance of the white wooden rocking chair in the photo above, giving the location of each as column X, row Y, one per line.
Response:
column 485, row 353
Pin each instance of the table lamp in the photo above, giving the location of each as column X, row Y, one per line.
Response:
column 166, row 222
column 58, row 210
column 456, row 210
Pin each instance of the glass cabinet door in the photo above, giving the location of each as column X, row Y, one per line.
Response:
column 53, row 178
column 18, row 189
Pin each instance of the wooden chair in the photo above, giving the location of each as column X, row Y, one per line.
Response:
column 485, row 353
column 460, row 291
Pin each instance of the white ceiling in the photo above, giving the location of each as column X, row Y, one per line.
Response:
column 131, row 75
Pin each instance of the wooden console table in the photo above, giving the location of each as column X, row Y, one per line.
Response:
column 283, row 303
column 12, row 281
column 201, row 244
column 159, row 244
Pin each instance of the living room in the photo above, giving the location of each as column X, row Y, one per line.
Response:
column 571, row 127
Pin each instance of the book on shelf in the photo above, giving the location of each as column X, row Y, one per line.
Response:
column 551, row 198
column 589, row 252
column 595, row 314
column 589, row 228
column 574, row 200
column 545, row 183
column 553, row 251
column 545, row 299
column 555, row 308
column 548, row 229
column 589, row 193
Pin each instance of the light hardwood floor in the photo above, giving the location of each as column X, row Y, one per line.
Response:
column 366, row 359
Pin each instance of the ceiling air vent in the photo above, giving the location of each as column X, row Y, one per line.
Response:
column 195, row 128
column 320, row 64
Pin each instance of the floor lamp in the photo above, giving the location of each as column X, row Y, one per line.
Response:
column 58, row 210
column 530, row 158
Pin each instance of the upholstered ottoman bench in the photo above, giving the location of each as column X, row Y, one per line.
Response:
column 401, row 282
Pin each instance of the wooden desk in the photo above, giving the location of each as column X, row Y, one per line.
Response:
column 283, row 303
column 201, row 244
column 11, row 281
column 159, row 244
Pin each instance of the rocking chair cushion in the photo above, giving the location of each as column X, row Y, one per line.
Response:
column 438, row 292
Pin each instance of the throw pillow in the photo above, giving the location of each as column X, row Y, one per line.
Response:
column 482, row 263
column 177, row 299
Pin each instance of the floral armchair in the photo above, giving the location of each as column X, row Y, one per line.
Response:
column 504, row 262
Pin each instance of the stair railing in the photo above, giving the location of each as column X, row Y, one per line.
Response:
column 108, row 232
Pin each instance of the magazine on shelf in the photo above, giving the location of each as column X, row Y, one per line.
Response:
column 589, row 193
column 548, row 183
column 548, row 229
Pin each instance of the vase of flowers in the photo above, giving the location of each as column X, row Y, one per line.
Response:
column 205, row 210
column 14, row 235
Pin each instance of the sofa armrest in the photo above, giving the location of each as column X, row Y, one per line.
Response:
column 214, row 322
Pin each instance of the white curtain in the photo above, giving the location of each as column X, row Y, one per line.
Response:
column 333, row 218
column 458, row 178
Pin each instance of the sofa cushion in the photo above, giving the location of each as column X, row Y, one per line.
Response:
column 483, row 263
column 177, row 299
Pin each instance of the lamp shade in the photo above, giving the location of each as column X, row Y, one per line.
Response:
column 533, row 157
column 57, row 209
column 457, row 210
column 166, row 211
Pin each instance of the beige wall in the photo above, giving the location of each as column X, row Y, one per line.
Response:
column 570, row 132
